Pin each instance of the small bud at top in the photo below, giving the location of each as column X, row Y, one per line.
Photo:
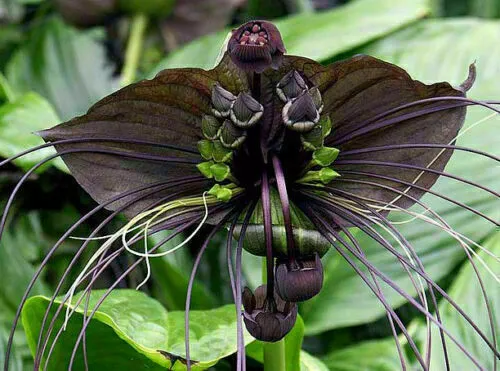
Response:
column 291, row 86
column 222, row 100
column 300, row 280
column 265, row 320
column 256, row 45
column 301, row 113
column 246, row 111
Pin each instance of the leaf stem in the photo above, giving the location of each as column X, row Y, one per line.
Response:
column 274, row 353
column 134, row 48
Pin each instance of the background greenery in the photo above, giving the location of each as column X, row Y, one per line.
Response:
column 51, row 71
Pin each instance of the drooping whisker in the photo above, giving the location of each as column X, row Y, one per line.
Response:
column 241, row 360
column 99, row 140
column 51, row 252
column 467, row 249
column 93, row 274
column 427, row 190
column 153, row 190
column 360, row 222
column 388, row 281
column 415, row 167
column 334, row 238
column 432, row 283
column 348, row 153
column 371, row 124
column 355, row 243
column 80, row 150
column 124, row 274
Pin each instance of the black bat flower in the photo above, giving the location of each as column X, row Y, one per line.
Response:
column 285, row 153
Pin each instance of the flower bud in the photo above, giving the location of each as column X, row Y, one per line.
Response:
column 300, row 280
column 265, row 320
column 246, row 111
column 222, row 100
column 301, row 114
column 291, row 86
column 256, row 46
column 231, row 136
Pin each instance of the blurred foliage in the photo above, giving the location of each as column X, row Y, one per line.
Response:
column 50, row 71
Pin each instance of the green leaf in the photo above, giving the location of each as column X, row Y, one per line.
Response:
column 343, row 292
column 67, row 67
column 129, row 328
column 466, row 292
column 379, row 355
column 19, row 120
column 311, row 363
column 318, row 35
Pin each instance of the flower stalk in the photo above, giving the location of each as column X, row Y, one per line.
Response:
column 134, row 48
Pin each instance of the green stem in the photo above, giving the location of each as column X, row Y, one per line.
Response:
column 134, row 48
column 274, row 353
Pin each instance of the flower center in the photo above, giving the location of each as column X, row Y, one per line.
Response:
column 254, row 34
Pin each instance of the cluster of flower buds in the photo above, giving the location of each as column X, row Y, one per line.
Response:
column 267, row 318
column 303, row 105
column 224, row 131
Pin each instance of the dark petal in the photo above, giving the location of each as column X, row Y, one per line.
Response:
column 300, row 281
column 354, row 91
column 231, row 136
column 166, row 110
column 248, row 300
column 316, row 97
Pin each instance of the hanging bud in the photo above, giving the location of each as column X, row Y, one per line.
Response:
column 222, row 100
column 301, row 114
column 210, row 127
column 299, row 281
column 265, row 320
column 291, row 86
column 231, row 136
column 246, row 111
column 256, row 46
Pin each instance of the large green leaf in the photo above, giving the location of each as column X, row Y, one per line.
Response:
column 67, row 67
column 466, row 292
column 19, row 120
column 431, row 51
column 317, row 36
column 129, row 329
column 377, row 355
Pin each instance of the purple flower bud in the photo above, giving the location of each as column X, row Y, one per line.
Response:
column 267, row 320
column 291, row 86
column 222, row 100
column 246, row 111
column 231, row 136
column 301, row 280
column 301, row 114
column 256, row 46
